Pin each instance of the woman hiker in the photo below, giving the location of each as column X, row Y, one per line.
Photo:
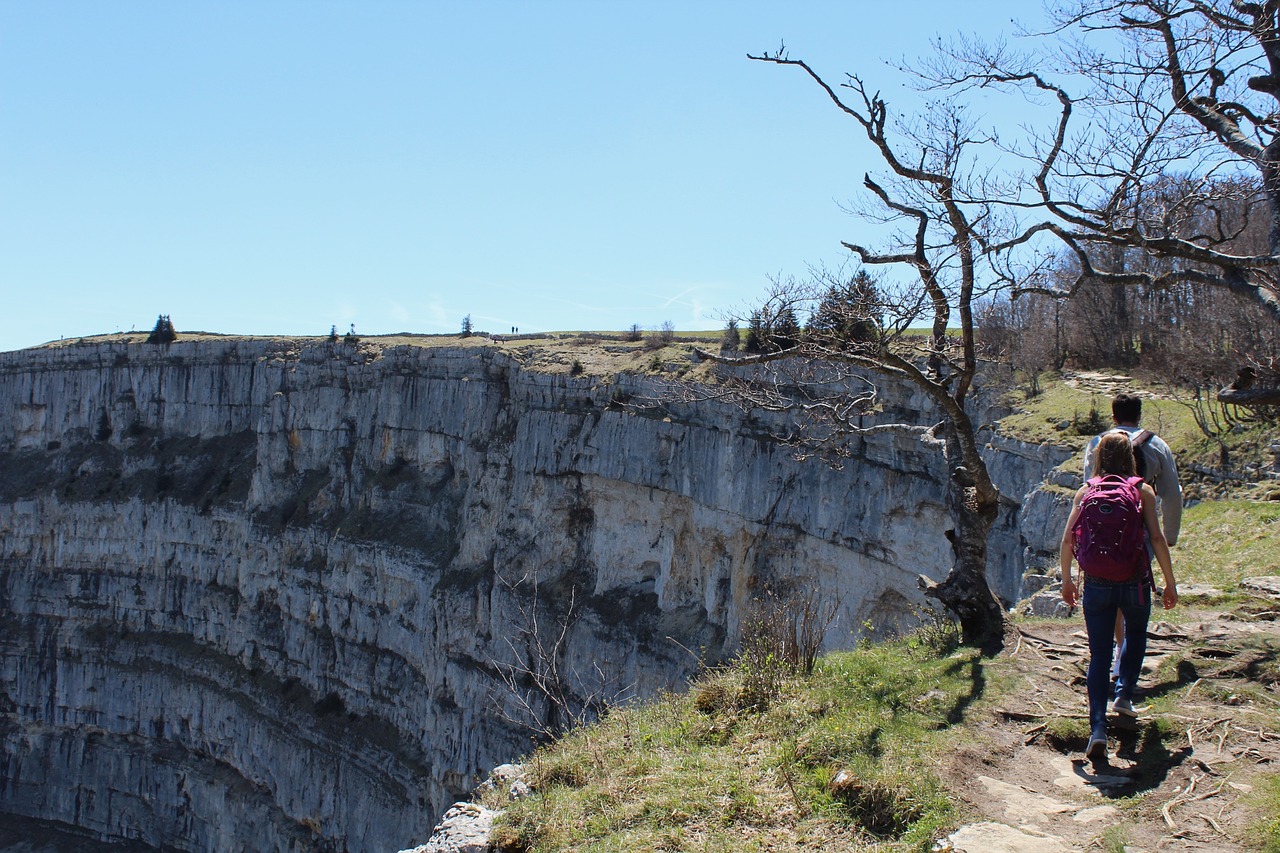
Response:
column 1104, row 598
column 1160, row 471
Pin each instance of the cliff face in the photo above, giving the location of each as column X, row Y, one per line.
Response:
column 262, row 595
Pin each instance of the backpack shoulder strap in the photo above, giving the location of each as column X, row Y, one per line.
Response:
column 1138, row 439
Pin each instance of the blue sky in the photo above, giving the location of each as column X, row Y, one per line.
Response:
column 280, row 167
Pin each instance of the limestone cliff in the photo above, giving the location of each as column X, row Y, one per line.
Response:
column 263, row 594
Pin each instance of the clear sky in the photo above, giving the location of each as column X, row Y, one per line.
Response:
column 281, row 166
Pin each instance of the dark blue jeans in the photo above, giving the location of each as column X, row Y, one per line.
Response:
column 1100, row 604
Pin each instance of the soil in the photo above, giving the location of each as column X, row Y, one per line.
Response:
column 1177, row 779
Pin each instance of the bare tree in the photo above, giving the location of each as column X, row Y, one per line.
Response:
column 941, row 244
column 1154, row 89
column 1189, row 333
column 1027, row 333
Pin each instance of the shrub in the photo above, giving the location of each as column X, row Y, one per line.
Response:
column 1091, row 424
column 936, row 636
column 781, row 636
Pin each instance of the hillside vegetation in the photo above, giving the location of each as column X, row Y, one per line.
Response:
column 1221, row 451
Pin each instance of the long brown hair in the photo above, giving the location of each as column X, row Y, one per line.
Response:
column 1115, row 455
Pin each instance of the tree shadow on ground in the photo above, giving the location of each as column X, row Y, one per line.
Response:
column 977, row 685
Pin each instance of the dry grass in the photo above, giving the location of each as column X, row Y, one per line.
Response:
column 842, row 759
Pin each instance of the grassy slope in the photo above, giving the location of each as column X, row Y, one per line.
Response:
column 1070, row 411
column 1229, row 540
column 738, row 765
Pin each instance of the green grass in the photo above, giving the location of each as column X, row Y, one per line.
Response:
column 1223, row 542
column 1264, row 833
column 1038, row 418
column 844, row 756
column 1069, row 734
column 1116, row 838
column 1041, row 419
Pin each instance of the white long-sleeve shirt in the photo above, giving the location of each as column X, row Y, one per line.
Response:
column 1162, row 475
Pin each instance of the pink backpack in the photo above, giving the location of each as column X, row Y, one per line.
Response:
column 1110, row 537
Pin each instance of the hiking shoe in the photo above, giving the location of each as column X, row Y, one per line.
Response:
column 1097, row 750
column 1124, row 705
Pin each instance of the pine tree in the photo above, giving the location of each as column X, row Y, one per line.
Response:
column 732, row 338
column 163, row 332
column 848, row 315
column 786, row 330
column 757, row 333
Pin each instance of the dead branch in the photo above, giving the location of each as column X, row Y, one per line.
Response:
column 550, row 700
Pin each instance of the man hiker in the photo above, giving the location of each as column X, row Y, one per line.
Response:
column 1154, row 459
column 1156, row 466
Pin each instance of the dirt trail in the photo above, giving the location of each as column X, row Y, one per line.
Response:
column 1107, row 384
column 1174, row 781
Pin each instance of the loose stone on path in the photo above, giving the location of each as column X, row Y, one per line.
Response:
column 1073, row 776
column 998, row 838
column 1021, row 806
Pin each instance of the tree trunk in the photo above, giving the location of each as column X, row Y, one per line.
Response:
column 965, row 591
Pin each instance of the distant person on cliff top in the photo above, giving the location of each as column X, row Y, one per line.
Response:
column 1156, row 465
column 1104, row 534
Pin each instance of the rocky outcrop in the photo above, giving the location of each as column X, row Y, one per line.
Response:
column 272, row 595
column 465, row 828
